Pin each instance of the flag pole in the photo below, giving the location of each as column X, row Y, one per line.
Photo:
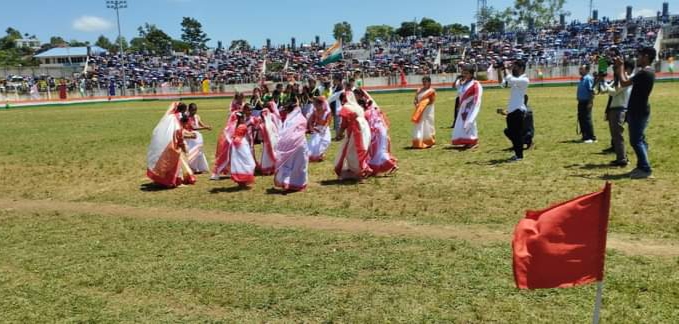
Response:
column 597, row 302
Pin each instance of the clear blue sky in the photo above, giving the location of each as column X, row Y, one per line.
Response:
column 255, row 20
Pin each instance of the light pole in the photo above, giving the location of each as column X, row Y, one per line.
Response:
column 117, row 5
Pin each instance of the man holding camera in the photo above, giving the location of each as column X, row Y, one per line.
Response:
column 639, row 109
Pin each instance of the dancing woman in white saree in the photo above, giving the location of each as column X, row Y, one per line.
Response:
column 424, row 130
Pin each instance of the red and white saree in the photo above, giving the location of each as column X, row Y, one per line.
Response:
column 269, row 129
column 165, row 162
column 242, row 166
column 196, row 156
column 424, row 130
column 222, row 154
column 381, row 160
column 319, row 125
column 292, row 160
column 352, row 159
column 466, row 132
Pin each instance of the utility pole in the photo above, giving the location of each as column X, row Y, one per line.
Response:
column 117, row 5
column 591, row 6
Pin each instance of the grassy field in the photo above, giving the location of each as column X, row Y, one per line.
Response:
column 86, row 265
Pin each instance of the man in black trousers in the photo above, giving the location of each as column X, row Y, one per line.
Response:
column 518, row 82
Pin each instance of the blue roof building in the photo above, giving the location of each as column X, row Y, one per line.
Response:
column 67, row 56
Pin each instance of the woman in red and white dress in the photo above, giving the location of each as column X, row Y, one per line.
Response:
column 196, row 156
column 242, row 163
column 269, row 128
column 166, row 163
column 380, row 158
column 465, row 131
column 319, row 126
column 352, row 158
column 292, row 157
column 424, row 128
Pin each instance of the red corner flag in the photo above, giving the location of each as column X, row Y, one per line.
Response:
column 564, row 245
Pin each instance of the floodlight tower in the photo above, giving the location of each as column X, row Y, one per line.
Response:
column 591, row 6
column 481, row 6
column 117, row 5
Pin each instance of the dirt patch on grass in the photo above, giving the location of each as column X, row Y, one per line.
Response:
column 474, row 234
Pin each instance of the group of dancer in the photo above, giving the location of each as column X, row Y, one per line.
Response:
column 467, row 106
column 465, row 133
column 280, row 125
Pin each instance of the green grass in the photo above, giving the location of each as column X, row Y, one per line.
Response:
column 61, row 266
column 83, row 268
column 97, row 153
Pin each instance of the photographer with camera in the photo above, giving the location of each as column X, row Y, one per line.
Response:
column 639, row 109
column 615, row 113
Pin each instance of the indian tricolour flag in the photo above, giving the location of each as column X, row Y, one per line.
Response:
column 332, row 54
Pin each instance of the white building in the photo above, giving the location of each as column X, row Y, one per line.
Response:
column 29, row 43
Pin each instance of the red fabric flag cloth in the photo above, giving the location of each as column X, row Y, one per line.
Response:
column 564, row 245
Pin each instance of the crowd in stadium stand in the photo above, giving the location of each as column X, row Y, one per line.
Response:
column 573, row 44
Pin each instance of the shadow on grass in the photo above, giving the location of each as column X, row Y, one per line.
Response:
column 338, row 182
column 621, row 176
column 153, row 187
column 282, row 192
column 460, row 148
column 492, row 162
column 592, row 166
column 607, row 177
column 229, row 189
column 571, row 142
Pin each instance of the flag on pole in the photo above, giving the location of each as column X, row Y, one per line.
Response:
column 262, row 76
column 87, row 62
column 403, row 80
column 437, row 60
column 564, row 245
column 332, row 54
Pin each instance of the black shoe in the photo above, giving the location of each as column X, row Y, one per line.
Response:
column 621, row 164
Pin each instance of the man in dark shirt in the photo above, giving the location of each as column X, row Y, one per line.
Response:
column 639, row 109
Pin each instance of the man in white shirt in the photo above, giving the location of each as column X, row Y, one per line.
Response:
column 518, row 82
column 615, row 114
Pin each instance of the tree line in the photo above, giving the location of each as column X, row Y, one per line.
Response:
column 522, row 14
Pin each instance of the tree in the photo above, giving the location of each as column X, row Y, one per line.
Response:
column 105, row 43
column 239, row 45
column 153, row 40
column 10, row 55
column 181, row 46
column 539, row 13
column 381, row 32
column 77, row 43
column 456, row 29
column 138, row 44
column 342, row 31
column 13, row 33
column 9, row 41
column 408, row 28
column 192, row 34
column 117, row 44
column 57, row 41
column 430, row 27
column 494, row 21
